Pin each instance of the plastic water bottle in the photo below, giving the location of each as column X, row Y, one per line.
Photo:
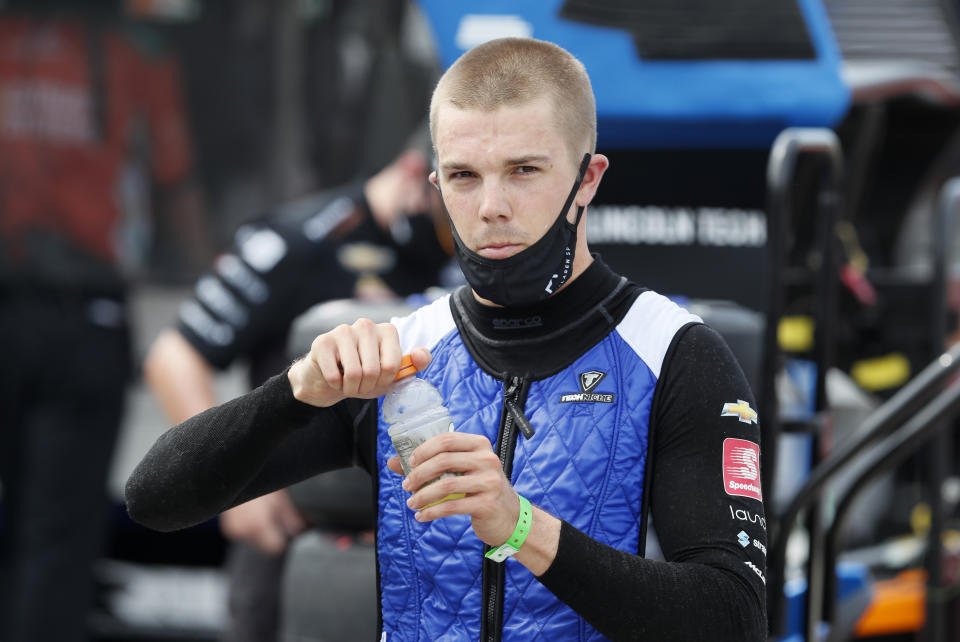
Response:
column 415, row 411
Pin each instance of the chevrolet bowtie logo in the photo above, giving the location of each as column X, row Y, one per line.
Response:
column 741, row 410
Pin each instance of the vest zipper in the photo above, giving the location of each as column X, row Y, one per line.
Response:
column 492, row 577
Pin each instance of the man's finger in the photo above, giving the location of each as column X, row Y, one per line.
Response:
column 368, row 350
column 394, row 464
column 349, row 359
column 450, row 441
column 390, row 354
column 447, row 462
column 421, row 358
column 324, row 353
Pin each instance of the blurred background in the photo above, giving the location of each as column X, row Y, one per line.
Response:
column 198, row 187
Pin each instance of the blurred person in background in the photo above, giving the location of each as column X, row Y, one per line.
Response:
column 318, row 248
column 294, row 103
column 80, row 95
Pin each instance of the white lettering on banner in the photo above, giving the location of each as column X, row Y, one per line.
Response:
column 638, row 225
column 658, row 225
column 731, row 228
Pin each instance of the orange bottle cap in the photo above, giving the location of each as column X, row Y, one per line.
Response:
column 406, row 367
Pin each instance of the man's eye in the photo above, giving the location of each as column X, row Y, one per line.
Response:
column 526, row 169
column 461, row 175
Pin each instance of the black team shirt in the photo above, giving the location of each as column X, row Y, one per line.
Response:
column 711, row 584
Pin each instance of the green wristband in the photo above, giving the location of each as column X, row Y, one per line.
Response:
column 512, row 545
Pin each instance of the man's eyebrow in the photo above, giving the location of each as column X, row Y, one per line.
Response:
column 526, row 160
column 454, row 166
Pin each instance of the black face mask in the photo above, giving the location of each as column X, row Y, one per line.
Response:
column 532, row 274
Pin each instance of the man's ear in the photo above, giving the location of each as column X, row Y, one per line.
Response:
column 433, row 179
column 591, row 179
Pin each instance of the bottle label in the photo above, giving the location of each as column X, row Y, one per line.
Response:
column 406, row 442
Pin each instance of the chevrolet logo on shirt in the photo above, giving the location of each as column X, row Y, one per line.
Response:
column 741, row 410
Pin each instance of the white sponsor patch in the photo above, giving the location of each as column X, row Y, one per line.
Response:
column 261, row 249
column 212, row 293
column 234, row 272
column 207, row 328
column 319, row 225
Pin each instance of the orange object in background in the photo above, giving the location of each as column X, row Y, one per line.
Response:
column 898, row 605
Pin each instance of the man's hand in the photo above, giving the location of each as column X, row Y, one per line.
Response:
column 490, row 500
column 399, row 189
column 358, row 360
column 267, row 522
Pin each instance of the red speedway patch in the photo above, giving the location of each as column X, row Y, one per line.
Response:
column 741, row 468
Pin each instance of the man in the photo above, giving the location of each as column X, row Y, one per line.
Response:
column 583, row 404
column 243, row 308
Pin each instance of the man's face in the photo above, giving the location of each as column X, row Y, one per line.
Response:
column 504, row 174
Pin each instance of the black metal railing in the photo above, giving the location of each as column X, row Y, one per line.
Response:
column 904, row 411
column 791, row 147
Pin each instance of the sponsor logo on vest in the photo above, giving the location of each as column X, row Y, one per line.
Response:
column 746, row 516
column 741, row 468
column 753, row 567
column 759, row 545
column 743, row 538
column 588, row 381
column 741, row 410
column 517, row 324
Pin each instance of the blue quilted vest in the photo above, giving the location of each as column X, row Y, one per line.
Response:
column 584, row 464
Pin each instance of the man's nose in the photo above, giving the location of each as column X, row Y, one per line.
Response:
column 494, row 203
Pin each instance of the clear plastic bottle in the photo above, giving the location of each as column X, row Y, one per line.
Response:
column 415, row 411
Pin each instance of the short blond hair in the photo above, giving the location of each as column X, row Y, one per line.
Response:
column 516, row 71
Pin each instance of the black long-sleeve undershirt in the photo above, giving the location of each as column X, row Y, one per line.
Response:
column 710, row 587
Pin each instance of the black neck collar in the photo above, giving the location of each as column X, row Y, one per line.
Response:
column 540, row 339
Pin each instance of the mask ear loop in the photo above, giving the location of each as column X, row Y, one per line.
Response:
column 576, row 188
